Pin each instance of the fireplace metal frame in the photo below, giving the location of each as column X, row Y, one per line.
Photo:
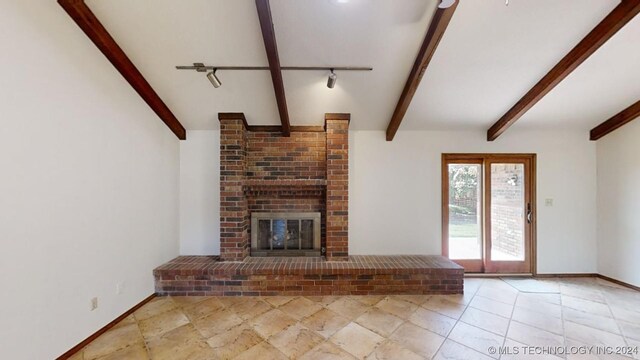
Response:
column 315, row 216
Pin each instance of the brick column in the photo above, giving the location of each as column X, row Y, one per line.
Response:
column 337, row 127
column 234, row 213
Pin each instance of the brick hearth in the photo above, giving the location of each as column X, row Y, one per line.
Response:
column 360, row 275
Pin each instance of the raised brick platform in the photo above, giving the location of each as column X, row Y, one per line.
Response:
column 360, row 275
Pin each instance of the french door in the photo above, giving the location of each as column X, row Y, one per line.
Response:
column 488, row 218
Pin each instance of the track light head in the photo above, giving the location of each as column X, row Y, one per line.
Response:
column 214, row 79
column 331, row 82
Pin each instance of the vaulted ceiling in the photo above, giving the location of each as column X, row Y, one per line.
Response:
column 489, row 57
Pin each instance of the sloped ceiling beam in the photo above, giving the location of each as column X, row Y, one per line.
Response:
column 624, row 117
column 436, row 30
column 269, row 37
column 609, row 26
column 87, row 21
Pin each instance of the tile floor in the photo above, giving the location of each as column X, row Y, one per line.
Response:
column 492, row 312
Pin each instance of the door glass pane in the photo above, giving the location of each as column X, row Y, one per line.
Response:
column 465, row 232
column 507, row 212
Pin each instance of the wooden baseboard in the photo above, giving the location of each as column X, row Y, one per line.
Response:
column 621, row 283
column 104, row 329
column 567, row 275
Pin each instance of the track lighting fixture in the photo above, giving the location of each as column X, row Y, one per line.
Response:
column 444, row 4
column 214, row 79
column 331, row 82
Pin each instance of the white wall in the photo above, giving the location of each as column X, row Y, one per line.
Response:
column 619, row 204
column 200, row 193
column 88, row 185
column 395, row 192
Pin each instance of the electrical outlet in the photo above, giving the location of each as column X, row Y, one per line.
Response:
column 120, row 288
column 548, row 202
column 94, row 304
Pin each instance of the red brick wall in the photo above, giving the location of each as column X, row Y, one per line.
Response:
column 271, row 156
column 234, row 215
column 267, row 172
column 337, row 237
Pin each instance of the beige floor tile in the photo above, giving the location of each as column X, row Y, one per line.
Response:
column 542, row 307
column 445, row 307
column 533, row 336
column 264, row 350
column 271, row 322
column 628, row 315
column 580, row 351
column 183, row 301
column 154, row 307
column 581, row 293
column 591, row 336
column 414, row 299
column 486, row 321
column 420, row 341
column 369, row 300
column 539, row 320
column 397, row 307
column 463, row 299
column 357, row 340
column 540, row 297
column 217, row 322
column 232, row 343
column 591, row 320
column 348, row 307
column 452, row 350
column 492, row 306
column 126, row 321
column 295, row 341
column 327, row 351
column 136, row 351
column 476, row 338
column 630, row 331
column 325, row 322
column 278, row 301
column 229, row 301
column 592, row 307
column 432, row 321
column 502, row 295
column 390, row 350
column 113, row 340
column 517, row 351
column 249, row 309
column 323, row 300
column 203, row 308
column 380, row 322
column 181, row 343
column 300, row 308
column 162, row 323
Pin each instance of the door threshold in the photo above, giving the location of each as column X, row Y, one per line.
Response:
column 495, row 275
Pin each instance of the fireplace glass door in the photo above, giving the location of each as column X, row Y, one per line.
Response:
column 285, row 233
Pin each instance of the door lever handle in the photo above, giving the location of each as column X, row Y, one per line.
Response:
column 529, row 213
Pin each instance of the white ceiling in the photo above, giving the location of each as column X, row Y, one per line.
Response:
column 489, row 57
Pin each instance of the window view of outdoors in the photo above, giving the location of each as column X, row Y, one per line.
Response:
column 465, row 232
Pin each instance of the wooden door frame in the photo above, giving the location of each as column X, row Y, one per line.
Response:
column 448, row 158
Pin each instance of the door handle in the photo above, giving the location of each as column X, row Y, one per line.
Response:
column 529, row 213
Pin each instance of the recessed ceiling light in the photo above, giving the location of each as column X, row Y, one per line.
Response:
column 339, row 2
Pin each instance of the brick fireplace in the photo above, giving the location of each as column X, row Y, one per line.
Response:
column 262, row 171
column 296, row 178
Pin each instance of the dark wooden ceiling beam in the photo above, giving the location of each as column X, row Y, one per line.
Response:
column 89, row 23
column 624, row 117
column 269, row 37
column 608, row 27
column 436, row 30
